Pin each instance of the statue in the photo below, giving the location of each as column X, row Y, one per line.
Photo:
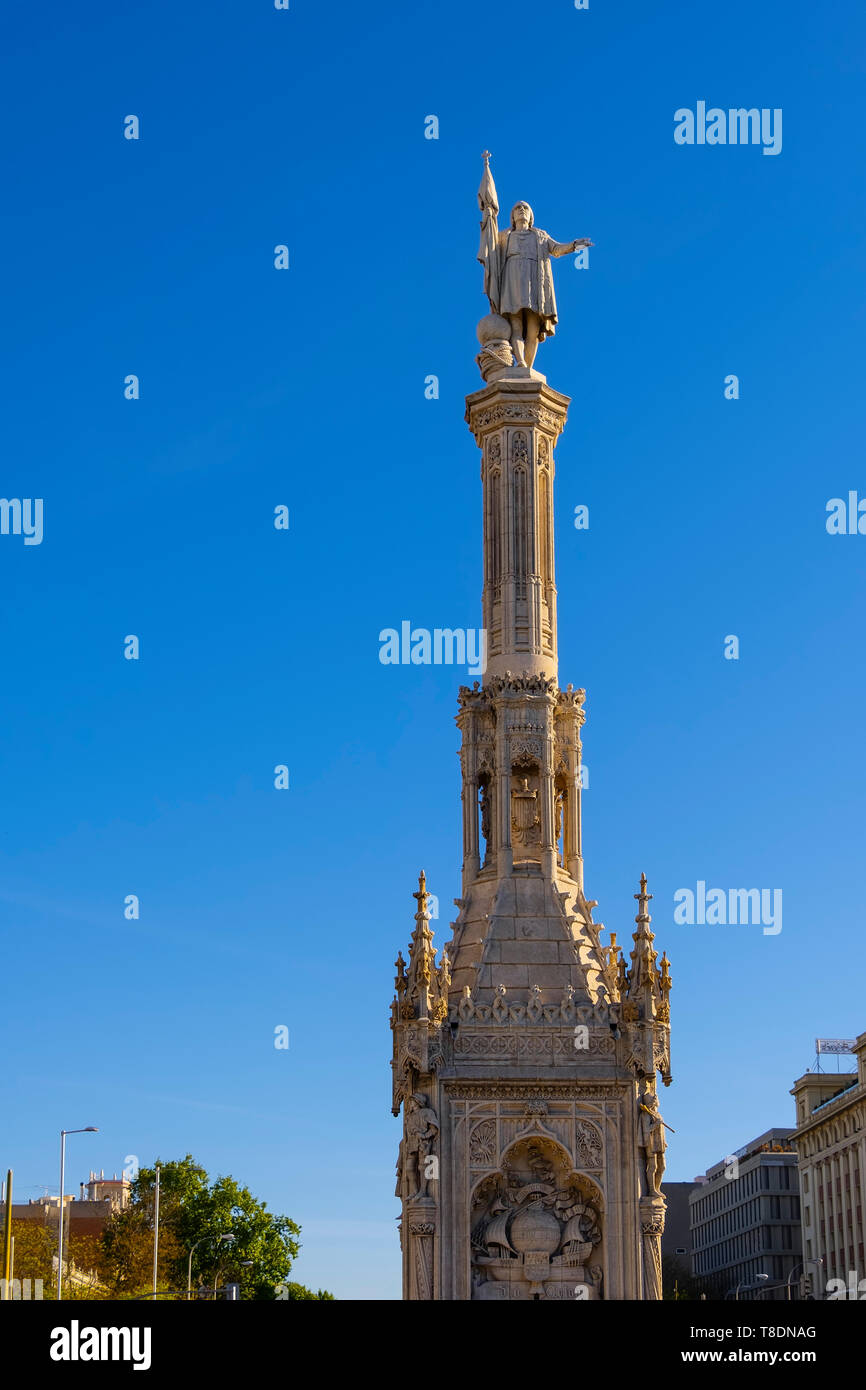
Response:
column 518, row 280
column 484, row 802
column 652, row 1139
column 422, row 1129
column 559, row 811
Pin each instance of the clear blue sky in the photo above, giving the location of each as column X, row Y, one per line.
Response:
column 306, row 387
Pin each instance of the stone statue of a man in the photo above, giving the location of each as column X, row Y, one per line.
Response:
column 518, row 280
column 652, row 1139
column 422, row 1129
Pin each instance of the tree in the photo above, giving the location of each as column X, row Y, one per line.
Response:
column 126, row 1261
column 35, row 1244
column 35, row 1256
column 82, row 1266
column 298, row 1291
column 194, row 1212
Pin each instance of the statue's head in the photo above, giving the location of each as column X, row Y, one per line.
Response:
column 522, row 217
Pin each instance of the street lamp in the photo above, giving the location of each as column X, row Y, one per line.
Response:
column 759, row 1277
column 802, row 1265
column 219, row 1239
column 88, row 1129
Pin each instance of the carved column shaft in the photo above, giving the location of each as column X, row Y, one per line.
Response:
column 469, row 767
column 548, row 819
column 502, row 806
column 516, row 424
column 421, row 1235
column 652, row 1224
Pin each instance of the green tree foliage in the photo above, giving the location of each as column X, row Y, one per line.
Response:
column 126, row 1263
column 194, row 1212
column 298, row 1291
column 35, row 1250
column 35, row 1244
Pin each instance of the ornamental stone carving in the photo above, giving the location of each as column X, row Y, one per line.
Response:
column 536, row 1227
column 588, row 1146
column 482, row 1144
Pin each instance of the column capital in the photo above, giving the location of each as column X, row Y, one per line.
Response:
column 520, row 400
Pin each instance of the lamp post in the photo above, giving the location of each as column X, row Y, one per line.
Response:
column 801, row 1265
column 759, row 1278
column 88, row 1129
column 155, row 1230
column 219, row 1239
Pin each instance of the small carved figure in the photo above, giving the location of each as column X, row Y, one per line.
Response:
column 484, row 802
column 560, row 822
column 652, row 1138
column 422, row 1130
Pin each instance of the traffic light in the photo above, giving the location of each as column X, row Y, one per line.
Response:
column 806, row 1286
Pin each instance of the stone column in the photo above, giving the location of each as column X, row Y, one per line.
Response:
column 852, row 1204
column 502, row 804
column 421, row 1236
column 469, row 769
column 547, row 793
column 569, row 720
column 516, row 421
column 833, row 1216
column 471, row 853
column 838, row 1208
column 825, row 1214
column 652, row 1224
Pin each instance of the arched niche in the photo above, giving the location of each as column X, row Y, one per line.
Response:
column 537, row 1227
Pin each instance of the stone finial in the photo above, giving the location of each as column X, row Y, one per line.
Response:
column 665, row 981
column 643, row 897
column 643, row 974
column 400, row 977
column 426, row 987
column 422, row 894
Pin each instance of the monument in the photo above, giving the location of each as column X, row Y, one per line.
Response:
column 525, row 1060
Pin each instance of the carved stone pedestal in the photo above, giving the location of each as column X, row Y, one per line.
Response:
column 652, row 1224
column 420, row 1226
column 525, row 1057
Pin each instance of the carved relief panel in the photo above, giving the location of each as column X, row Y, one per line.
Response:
column 536, row 1225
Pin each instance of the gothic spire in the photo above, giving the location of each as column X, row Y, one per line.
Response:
column 643, row 976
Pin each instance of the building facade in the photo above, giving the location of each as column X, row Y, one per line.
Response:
column 677, row 1238
column 745, row 1222
column 525, row 1061
column 831, row 1147
column 86, row 1215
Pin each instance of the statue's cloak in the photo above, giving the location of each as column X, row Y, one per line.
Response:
column 525, row 276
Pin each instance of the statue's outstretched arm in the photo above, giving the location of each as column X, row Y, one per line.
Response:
column 565, row 248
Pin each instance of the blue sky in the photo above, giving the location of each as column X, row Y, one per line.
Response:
column 306, row 388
